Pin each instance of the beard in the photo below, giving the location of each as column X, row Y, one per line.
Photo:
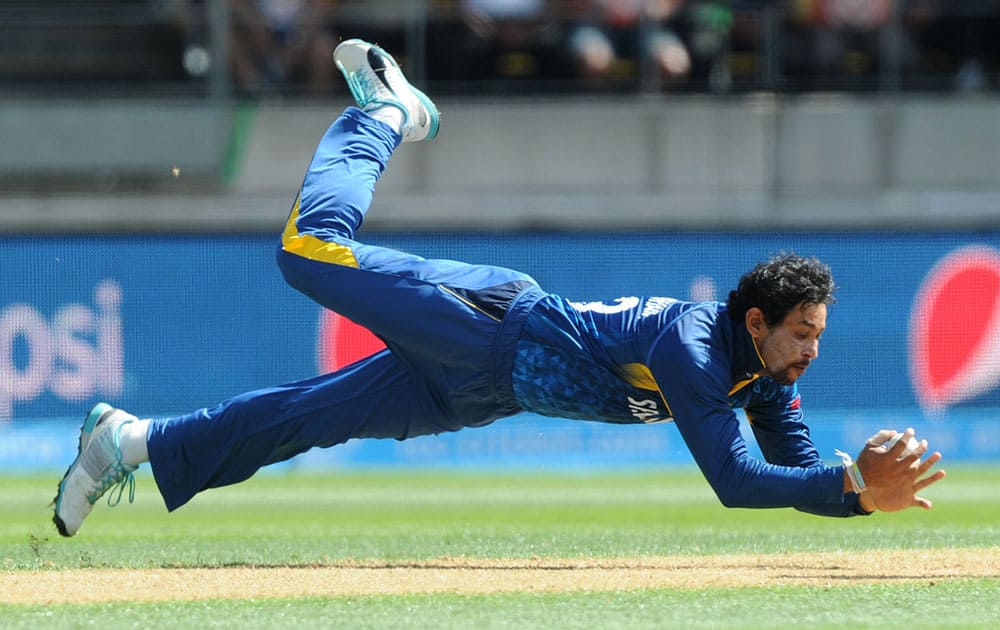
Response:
column 785, row 377
column 790, row 374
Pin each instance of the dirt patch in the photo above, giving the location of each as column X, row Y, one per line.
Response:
column 475, row 575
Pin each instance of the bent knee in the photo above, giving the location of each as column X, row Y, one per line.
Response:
column 291, row 267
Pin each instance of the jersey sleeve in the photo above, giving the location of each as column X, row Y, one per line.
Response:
column 776, row 418
column 694, row 378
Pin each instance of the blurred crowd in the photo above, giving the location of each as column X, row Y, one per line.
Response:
column 285, row 46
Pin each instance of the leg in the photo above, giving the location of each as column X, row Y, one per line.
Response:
column 377, row 397
column 228, row 443
column 409, row 302
column 412, row 303
column 443, row 322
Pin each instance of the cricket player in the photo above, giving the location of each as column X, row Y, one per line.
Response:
column 470, row 344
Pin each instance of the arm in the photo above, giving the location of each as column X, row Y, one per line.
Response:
column 694, row 381
column 740, row 480
column 693, row 376
column 894, row 480
column 777, row 422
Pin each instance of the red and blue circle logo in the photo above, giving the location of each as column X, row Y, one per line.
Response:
column 955, row 329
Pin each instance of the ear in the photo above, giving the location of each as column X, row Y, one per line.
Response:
column 755, row 323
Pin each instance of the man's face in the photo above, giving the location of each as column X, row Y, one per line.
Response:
column 789, row 347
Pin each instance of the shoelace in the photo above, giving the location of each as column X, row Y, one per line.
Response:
column 127, row 480
column 117, row 477
column 361, row 87
column 360, row 84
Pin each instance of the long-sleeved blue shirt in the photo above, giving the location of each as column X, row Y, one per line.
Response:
column 652, row 359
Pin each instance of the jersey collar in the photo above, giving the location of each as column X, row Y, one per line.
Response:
column 747, row 361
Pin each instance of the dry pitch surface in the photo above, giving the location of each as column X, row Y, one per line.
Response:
column 474, row 575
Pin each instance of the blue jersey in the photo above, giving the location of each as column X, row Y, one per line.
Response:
column 654, row 359
column 467, row 345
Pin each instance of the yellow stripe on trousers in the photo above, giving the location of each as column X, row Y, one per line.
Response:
column 312, row 248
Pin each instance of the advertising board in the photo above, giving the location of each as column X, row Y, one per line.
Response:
column 161, row 325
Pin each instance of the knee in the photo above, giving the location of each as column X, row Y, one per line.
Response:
column 291, row 268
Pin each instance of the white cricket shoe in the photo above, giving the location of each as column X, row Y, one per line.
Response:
column 376, row 80
column 98, row 466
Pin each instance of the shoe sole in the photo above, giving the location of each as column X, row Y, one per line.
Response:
column 99, row 411
column 432, row 111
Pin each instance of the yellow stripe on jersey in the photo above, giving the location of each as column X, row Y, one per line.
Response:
column 763, row 363
column 313, row 248
column 737, row 387
column 639, row 376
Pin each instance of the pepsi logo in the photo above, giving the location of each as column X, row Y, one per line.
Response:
column 955, row 329
column 342, row 342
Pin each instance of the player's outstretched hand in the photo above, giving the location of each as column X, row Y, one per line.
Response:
column 894, row 476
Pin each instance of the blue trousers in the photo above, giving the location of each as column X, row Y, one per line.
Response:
column 450, row 329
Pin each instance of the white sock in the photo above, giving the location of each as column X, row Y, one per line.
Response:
column 390, row 115
column 132, row 442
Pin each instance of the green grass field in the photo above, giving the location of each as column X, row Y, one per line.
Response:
column 283, row 519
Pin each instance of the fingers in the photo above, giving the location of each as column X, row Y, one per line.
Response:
column 926, row 465
column 899, row 473
column 903, row 444
column 912, row 456
column 920, row 484
column 926, row 481
column 881, row 437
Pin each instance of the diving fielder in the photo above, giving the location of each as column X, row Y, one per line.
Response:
column 470, row 344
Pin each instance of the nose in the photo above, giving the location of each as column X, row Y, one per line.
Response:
column 812, row 349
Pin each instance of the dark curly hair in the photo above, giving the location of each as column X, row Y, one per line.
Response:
column 779, row 285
